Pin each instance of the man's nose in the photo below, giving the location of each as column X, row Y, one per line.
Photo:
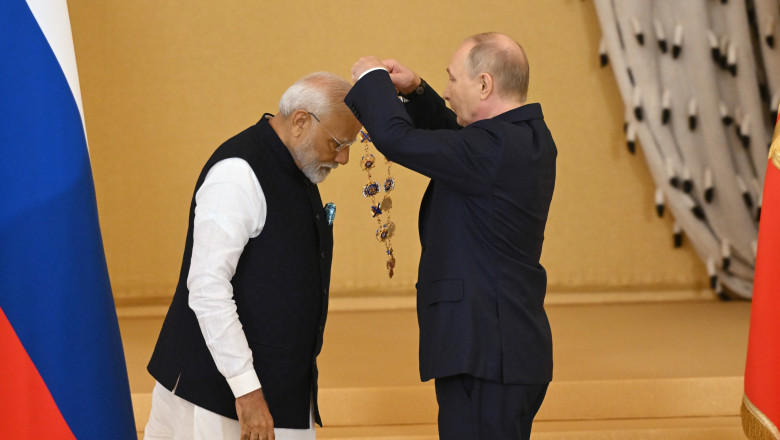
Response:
column 342, row 157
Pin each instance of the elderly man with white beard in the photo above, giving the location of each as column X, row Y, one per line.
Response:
column 236, row 356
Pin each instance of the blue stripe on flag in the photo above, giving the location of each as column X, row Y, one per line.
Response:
column 54, row 285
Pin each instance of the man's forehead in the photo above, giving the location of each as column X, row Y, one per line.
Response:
column 459, row 57
column 345, row 125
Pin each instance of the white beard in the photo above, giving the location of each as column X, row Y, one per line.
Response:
column 306, row 156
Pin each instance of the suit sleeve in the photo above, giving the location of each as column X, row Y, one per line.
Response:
column 465, row 159
column 428, row 111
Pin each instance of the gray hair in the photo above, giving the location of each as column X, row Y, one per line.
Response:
column 321, row 93
column 507, row 65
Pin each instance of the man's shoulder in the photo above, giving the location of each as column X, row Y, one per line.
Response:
column 520, row 126
column 241, row 144
column 523, row 113
column 526, row 119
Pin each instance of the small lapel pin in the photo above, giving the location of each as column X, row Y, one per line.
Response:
column 330, row 212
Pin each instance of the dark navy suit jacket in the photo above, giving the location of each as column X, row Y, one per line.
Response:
column 480, row 290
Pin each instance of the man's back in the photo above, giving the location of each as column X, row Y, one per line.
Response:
column 486, row 244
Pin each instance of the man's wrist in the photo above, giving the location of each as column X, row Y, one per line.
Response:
column 369, row 71
column 414, row 92
column 244, row 383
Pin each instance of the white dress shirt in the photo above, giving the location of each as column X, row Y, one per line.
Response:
column 230, row 209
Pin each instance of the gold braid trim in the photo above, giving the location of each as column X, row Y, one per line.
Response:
column 774, row 153
column 755, row 424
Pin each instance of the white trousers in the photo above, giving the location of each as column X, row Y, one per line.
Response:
column 173, row 418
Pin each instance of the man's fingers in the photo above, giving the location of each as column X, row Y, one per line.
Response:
column 264, row 435
column 258, row 433
column 392, row 65
column 364, row 64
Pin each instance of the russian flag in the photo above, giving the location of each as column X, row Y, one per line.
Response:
column 62, row 368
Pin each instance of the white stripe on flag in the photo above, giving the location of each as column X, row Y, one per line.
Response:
column 53, row 19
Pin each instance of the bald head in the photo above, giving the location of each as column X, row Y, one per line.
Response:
column 502, row 58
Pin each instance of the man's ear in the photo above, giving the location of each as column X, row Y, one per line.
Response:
column 486, row 84
column 299, row 121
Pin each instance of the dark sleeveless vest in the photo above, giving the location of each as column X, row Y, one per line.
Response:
column 280, row 288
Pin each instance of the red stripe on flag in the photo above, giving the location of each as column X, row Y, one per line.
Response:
column 27, row 409
column 762, row 381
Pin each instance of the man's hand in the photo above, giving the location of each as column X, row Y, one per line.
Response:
column 254, row 417
column 404, row 80
column 364, row 64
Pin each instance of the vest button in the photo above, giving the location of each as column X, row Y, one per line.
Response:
column 322, row 254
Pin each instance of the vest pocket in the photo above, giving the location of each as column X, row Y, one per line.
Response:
column 440, row 291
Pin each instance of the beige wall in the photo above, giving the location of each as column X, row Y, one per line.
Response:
column 165, row 82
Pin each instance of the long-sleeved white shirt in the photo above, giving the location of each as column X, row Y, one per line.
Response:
column 230, row 209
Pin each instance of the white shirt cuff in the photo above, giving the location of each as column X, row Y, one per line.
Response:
column 370, row 70
column 244, row 383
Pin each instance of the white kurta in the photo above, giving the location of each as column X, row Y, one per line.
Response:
column 230, row 209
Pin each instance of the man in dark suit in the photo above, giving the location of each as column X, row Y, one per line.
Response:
column 484, row 334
